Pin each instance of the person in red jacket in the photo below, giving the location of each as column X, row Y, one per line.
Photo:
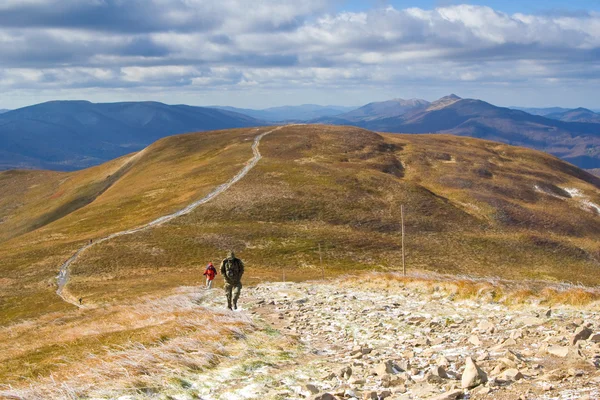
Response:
column 210, row 274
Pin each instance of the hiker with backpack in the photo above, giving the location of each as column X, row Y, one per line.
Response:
column 232, row 269
column 210, row 274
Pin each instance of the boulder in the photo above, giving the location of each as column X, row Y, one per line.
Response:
column 311, row 388
column 558, row 351
column 581, row 333
column 472, row 376
column 511, row 374
column 439, row 371
column 324, row 396
column 474, row 340
column 384, row 368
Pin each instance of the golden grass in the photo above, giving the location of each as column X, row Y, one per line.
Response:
column 508, row 292
column 126, row 348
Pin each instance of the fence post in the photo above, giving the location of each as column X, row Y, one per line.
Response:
column 402, row 217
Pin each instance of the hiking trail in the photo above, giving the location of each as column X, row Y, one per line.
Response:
column 64, row 273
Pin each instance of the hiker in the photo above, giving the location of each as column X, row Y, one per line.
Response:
column 232, row 269
column 81, row 301
column 210, row 274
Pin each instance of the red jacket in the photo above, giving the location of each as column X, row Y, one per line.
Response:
column 210, row 272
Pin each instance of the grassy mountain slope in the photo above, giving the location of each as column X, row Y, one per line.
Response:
column 472, row 207
column 68, row 135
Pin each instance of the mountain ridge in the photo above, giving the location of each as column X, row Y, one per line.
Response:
column 576, row 142
column 68, row 135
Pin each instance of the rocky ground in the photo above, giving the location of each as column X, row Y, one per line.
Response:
column 342, row 340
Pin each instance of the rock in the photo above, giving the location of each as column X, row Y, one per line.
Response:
column 385, row 394
column 473, row 375
column 404, row 365
column 311, row 388
column 575, row 372
column 554, row 376
column 370, row 395
column 483, row 356
column 328, row 377
column 595, row 338
column 558, row 351
column 511, row 374
column 486, row 326
column 345, row 373
column 439, row 371
column 324, row 396
column 443, row 362
column 356, row 381
column 474, row 340
column 384, row 368
column 581, row 333
column 392, row 380
column 450, row 395
column 481, row 391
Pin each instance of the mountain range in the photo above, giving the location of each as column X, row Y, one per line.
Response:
column 303, row 112
column 576, row 142
column 69, row 135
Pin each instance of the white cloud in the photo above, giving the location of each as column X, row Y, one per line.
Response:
column 287, row 44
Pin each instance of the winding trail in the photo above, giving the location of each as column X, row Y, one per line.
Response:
column 63, row 275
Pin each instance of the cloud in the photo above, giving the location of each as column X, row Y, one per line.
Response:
column 286, row 44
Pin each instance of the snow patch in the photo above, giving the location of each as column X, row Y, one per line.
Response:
column 585, row 202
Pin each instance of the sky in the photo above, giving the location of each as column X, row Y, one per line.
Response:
column 265, row 53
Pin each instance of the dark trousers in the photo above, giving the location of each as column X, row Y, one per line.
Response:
column 232, row 291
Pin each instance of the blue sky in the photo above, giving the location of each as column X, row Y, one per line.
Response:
column 284, row 52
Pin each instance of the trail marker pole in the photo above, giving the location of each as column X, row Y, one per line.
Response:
column 402, row 217
column 321, row 260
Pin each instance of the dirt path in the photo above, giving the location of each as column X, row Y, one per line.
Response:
column 63, row 275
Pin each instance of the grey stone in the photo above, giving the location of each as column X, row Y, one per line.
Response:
column 473, row 375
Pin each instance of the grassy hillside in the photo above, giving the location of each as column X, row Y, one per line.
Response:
column 472, row 207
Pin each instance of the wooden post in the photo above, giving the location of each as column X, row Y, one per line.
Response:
column 321, row 260
column 402, row 217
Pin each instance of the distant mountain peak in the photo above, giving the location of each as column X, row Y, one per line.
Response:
column 444, row 102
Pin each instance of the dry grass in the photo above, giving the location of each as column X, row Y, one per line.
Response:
column 139, row 348
column 508, row 292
